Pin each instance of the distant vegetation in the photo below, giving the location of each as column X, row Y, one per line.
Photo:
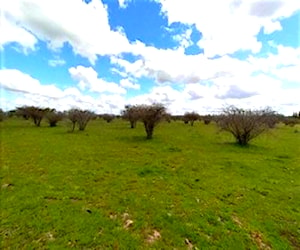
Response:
column 190, row 117
column 79, row 117
column 2, row 115
column 244, row 125
column 108, row 117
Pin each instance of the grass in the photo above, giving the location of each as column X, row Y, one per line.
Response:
column 110, row 188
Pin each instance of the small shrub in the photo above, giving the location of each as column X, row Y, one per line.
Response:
column 207, row 119
column 151, row 115
column 108, row 117
column 53, row 117
column 35, row 113
column 80, row 117
column 131, row 113
column 244, row 125
column 190, row 117
column 290, row 121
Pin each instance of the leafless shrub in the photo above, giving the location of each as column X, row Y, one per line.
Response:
column 168, row 117
column 185, row 120
column 245, row 125
column 22, row 112
column 35, row 113
column 80, row 117
column 72, row 115
column 207, row 119
column 53, row 117
column 291, row 121
column 131, row 113
column 272, row 120
column 190, row 117
column 151, row 115
column 108, row 117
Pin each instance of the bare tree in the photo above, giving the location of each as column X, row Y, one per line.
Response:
column 131, row 113
column 151, row 115
column 72, row 115
column 245, row 125
column 53, row 117
column 168, row 117
column 207, row 119
column 108, row 117
column 23, row 112
column 290, row 121
column 190, row 117
column 35, row 113
column 80, row 117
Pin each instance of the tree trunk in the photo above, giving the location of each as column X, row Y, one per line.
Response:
column 73, row 126
column 149, row 130
column 132, row 124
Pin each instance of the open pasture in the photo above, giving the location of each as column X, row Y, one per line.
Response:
column 109, row 188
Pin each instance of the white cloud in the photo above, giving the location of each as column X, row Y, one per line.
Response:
column 246, row 86
column 10, row 32
column 56, row 62
column 184, row 39
column 123, row 3
column 126, row 83
column 228, row 26
column 85, row 26
column 285, row 64
column 88, row 79
column 16, row 81
column 135, row 69
column 206, row 84
column 22, row 89
column 173, row 66
column 197, row 91
column 289, row 73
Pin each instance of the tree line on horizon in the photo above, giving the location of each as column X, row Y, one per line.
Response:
column 244, row 125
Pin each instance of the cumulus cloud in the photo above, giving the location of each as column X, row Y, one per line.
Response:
column 235, row 92
column 85, row 27
column 265, row 8
column 16, row 81
column 200, row 82
column 228, row 26
column 26, row 90
column 88, row 79
column 173, row 66
column 11, row 32
column 32, row 92
column 284, row 64
column 184, row 39
column 126, row 83
column 165, row 95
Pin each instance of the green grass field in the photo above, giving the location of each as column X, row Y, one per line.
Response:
column 110, row 188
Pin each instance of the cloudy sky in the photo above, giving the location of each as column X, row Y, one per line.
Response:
column 191, row 55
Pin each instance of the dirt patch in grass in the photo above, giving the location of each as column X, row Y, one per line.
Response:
column 294, row 241
column 257, row 237
column 154, row 236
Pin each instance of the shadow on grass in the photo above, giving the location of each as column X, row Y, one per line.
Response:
column 135, row 138
column 235, row 145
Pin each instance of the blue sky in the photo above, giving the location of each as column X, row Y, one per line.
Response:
column 189, row 55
